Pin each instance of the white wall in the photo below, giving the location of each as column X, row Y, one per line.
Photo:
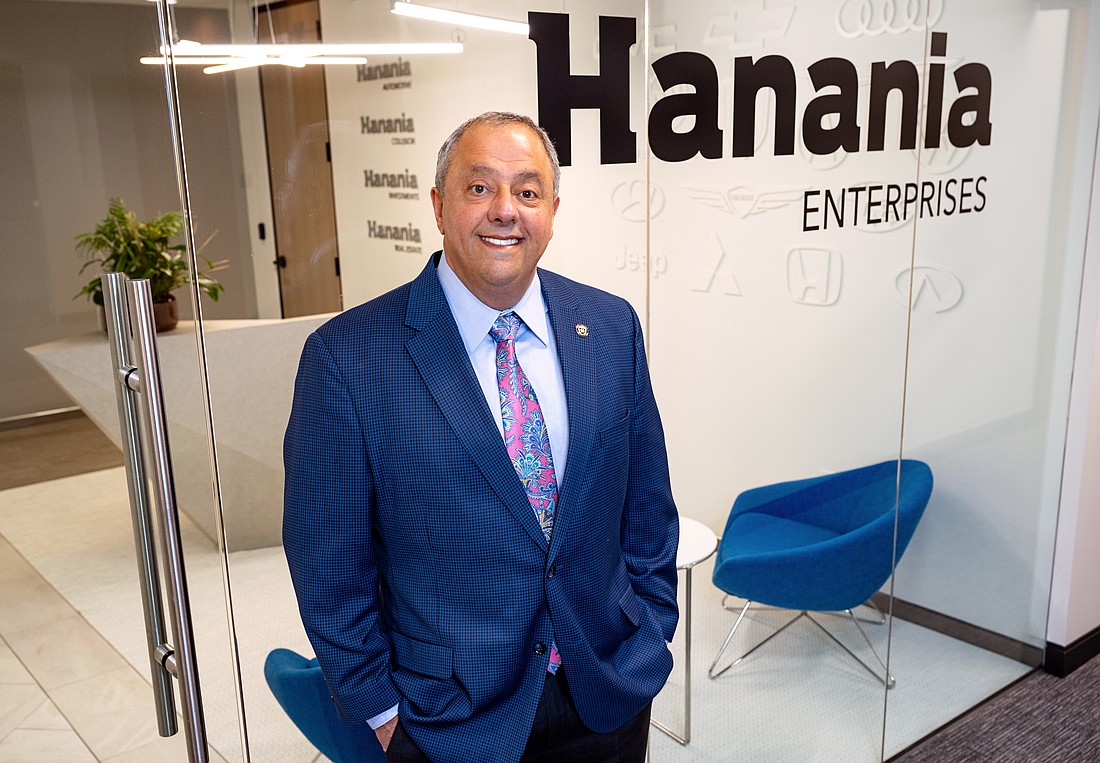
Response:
column 1075, row 596
column 495, row 72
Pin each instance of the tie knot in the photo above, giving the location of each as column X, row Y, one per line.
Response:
column 505, row 327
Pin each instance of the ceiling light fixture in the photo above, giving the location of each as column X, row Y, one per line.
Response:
column 430, row 13
column 225, row 58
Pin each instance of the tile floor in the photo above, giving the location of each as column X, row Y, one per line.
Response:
column 65, row 693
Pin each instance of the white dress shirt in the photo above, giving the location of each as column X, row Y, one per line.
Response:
column 536, row 352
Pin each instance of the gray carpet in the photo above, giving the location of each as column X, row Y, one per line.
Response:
column 1040, row 719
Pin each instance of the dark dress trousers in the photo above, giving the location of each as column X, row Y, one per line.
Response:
column 422, row 575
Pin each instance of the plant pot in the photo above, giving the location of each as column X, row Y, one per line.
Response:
column 165, row 314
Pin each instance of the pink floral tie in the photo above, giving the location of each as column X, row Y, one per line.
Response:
column 525, row 434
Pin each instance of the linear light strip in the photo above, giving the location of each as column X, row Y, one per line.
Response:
column 295, row 50
column 196, row 60
column 227, row 58
column 248, row 61
column 237, row 64
column 232, row 63
column 430, row 13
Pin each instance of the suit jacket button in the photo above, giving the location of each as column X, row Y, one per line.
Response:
column 552, row 571
column 540, row 648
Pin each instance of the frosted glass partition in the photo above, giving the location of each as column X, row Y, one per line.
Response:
column 337, row 164
column 993, row 324
column 808, row 364
column 784, row 192
column 996, row 295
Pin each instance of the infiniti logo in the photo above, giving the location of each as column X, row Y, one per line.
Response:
column 935, row 290
column 871, row 18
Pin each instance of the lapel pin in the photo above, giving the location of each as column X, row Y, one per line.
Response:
column 582, row 330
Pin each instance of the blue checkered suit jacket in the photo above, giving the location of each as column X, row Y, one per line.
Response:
column 421, row 573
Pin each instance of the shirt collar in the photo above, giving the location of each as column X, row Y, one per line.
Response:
column 475, row 318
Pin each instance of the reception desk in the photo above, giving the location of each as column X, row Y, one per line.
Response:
column 251, row 375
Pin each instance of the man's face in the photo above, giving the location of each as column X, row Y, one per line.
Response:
column 497, row 211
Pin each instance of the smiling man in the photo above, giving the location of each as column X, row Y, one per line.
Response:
column 478, row 518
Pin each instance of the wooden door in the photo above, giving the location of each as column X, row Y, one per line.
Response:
column 296, row 126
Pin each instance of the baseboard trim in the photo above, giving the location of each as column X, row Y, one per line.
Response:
column 40, row 417
column 997, row 643
column 1062, row 660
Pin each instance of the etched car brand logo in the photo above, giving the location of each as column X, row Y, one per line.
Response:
column 814, row 276
column 935, row 290
column 750, row 25
column 742, row 200
column 707, row 278
column 872, row 18
column 629, row 201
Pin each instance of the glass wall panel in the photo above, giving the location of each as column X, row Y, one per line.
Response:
column 336, row 192
column 81, row 124
column 86, row 123
column 996, row 285
column 783, row 152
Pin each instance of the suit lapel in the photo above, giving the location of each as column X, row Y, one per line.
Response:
column 440, row 357
column 579, row 374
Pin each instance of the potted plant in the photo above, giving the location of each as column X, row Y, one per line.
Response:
column 143, row 249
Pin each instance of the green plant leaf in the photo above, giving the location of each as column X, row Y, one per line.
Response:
column 140, row 249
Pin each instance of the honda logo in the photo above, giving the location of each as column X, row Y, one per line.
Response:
column 813, row 276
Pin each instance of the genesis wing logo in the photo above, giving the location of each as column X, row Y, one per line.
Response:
column 744, row 201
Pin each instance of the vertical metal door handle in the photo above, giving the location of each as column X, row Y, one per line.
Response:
column 159, row 467
column 132, row 337
column 118, row 337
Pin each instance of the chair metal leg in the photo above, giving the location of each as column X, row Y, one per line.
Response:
column 729, row 637
column 733, row 630
column 889, row 680
column 879, row 618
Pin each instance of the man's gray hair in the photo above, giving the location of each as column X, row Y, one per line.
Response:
column 494, row 119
